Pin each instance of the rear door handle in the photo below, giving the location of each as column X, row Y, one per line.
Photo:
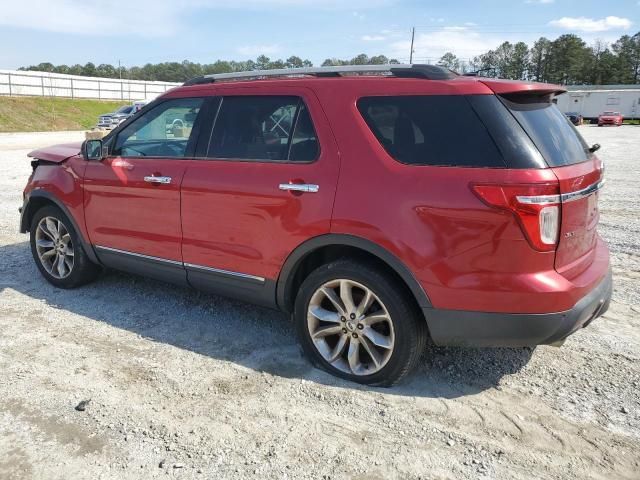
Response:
column 299, row 187
column 154, row 179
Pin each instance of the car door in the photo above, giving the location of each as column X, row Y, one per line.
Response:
column 132, row 197
column 267, row 184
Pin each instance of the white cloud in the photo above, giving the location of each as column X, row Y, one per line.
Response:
column 584, row 24
column 255, row 50
column 373, row 38
column 463, row 41
column 539, row 2
column 147, row 18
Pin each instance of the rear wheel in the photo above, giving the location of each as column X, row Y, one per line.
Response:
column 57, row 251
column 355, row 322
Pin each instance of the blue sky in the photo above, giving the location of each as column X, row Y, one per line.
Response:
column 141, row 31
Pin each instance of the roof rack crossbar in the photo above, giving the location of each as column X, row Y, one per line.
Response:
column 431, row 72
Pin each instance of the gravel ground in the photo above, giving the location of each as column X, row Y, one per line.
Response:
column 188, row 385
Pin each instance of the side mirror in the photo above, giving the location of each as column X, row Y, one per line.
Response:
column 594, row 148
column 92, row 150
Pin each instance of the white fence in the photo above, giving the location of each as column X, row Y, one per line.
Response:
column 43, row 84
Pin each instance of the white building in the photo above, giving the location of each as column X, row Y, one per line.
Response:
column 591, row 100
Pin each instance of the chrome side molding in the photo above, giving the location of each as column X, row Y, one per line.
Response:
column 192, row 266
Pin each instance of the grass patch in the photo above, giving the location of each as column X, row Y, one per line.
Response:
column 47, row 114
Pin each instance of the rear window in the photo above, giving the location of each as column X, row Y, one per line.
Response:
column 441, row 130
column 551, row 131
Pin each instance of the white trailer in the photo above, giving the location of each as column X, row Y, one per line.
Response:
column 591, row 100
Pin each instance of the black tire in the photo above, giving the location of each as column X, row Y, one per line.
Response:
column 410, row 329
column 82, row 271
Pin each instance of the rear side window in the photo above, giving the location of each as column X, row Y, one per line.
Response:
column 439, row 130
column 551, row 131
column 271, row 128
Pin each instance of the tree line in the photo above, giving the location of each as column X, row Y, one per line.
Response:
column 567, row 60
column 182, row 71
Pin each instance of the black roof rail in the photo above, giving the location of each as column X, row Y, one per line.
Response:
column 429, row 72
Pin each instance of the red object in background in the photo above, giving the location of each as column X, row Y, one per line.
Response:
column 610, row 118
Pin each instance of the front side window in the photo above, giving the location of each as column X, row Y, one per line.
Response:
column 270, row 128
column 164, row 131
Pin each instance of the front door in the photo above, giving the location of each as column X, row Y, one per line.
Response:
column 265, row 185
column 132, row 197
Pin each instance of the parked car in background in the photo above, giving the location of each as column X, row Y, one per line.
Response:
column 610, row 118
column 574, row 118
column 112, row 120
column 344, row 201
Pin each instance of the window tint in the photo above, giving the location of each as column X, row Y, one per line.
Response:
column 551, row 131
column 431, row 130
column 304, row 144
column 163, row 131
column 263, row 128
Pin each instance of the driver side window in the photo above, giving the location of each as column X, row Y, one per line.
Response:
column 164, row 131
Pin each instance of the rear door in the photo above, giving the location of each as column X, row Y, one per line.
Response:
column 266, row 183
column 580, row 174
column 132, row 197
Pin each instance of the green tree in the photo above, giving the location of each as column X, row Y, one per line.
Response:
column 450, row 61
column 539, row 58
column 627, row 49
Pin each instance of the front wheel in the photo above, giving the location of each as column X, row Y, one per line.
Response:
column 57, row 251
column 354, row 321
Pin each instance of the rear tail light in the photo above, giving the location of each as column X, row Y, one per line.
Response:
column 536, row 206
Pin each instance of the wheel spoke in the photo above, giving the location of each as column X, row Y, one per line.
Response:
column 338, row 349
column 52, row 227
column 377, row 338
column 324, row 315
column 43, row 228
column 365, row 304
column 327, row 331
column 374, row 318
column 375, row 356
column 353, row 356
column 45, row 243
column 346, row 295
column 334, row 299
column 48, row 253
column 61, row 266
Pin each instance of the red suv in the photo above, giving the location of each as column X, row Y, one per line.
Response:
column 379, row 206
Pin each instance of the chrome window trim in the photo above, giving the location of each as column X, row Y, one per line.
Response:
column 230, row 273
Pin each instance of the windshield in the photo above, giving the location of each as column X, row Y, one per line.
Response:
column 551, row 131
column 610, row 113
column 126, row 109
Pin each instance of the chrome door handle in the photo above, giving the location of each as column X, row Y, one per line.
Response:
column 299, row 187
column 154, row 179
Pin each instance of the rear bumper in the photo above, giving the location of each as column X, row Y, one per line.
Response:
column 483, row 329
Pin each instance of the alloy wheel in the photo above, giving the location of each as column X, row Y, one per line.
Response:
column 350, row 327
column 54, row 247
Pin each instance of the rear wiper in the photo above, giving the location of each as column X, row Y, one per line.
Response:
column 594, row 148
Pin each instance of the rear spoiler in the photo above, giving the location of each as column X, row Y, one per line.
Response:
column 513, row 87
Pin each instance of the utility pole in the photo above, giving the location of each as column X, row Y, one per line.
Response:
column 413, row 35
